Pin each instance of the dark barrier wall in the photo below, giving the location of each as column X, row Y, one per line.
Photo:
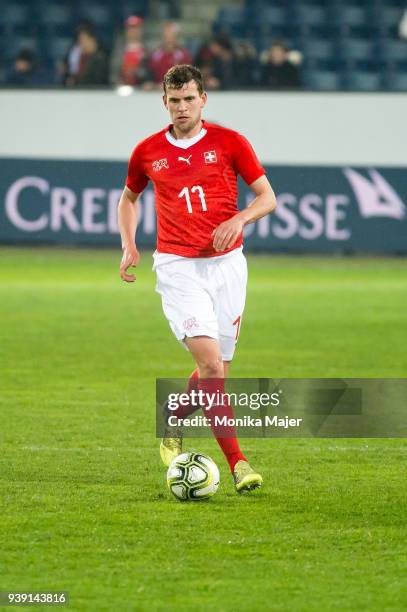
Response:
column 320, row 209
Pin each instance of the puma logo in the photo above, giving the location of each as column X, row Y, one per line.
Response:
column 185, row 159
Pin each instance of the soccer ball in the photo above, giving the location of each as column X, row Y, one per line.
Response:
column 193, row 476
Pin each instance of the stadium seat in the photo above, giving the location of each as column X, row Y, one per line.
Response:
column 309, row 20
column 56, row 14
column 231, row 20
column 58, row 47
column 262, row 43
column 320, row 54
column 270, row 15
column 392, row 61
column 13, row 14
column 351, row 15
column 130, row 7
column 231, row 15
column 56, row 20
column 398, row 81
column 393, row 51
column 392, row 3
column 193, row 45
column 100, row 15
column 318, row 48
column 356, row 49
column 254, row 8
column 385, row 20
column 322, row 80
column 391, row 16
column 351, row 20
column 308, row 14
column 266, row 30
column 363, row 81
column 14, row 44
column 16, row 20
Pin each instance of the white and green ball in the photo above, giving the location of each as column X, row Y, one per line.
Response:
column 192, row 477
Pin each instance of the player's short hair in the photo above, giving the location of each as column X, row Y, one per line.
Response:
column 179, row 75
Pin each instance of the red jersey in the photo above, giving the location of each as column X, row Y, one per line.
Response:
column 132, row 59
column 162, row 60
column 195, row 185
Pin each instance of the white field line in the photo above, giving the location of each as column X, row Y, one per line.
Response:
column 61, row 449
column 109, row 449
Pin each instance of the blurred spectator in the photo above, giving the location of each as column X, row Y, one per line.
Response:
column 129, row 55
column 168, row 54
column 224, row 66
column 215, row 59
column 169, row 9
column 93, row 62
column 246, row 65
column 25, row 71
column 68, row 68
column 278, row 71
column 403, row 25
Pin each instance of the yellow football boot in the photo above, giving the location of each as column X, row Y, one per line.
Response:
column 245, row 477
column 171, row 445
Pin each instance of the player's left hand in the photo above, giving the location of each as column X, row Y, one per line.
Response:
column 226, row 234
column 130, row 259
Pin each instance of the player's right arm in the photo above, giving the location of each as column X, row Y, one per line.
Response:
column 136, row 182
column 128, row 212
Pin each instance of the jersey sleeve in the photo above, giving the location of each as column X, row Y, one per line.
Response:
column 136, row 179
column 245, row 160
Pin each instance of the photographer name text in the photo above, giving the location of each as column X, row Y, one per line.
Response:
column 246, row 421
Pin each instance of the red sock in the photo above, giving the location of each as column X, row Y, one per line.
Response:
column 183, row 411
column 225, row 434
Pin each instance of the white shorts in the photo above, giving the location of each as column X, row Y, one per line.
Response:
column 203, row 296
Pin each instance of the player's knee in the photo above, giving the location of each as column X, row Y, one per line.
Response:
column 211, row 367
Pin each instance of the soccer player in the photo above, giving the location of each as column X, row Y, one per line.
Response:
column 201, row 270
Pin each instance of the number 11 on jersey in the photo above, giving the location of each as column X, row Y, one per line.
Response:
column 185, row 193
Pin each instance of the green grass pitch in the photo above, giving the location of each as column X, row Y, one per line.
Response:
column 84, row 507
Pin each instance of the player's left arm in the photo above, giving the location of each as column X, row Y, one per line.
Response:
column 264, row 203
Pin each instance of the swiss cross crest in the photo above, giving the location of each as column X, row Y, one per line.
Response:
column 210, row 157
column 160, row 163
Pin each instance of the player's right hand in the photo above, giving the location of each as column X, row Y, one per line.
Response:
column 130, row 259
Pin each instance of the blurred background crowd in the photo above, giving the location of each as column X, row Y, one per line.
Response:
column 271, row 44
